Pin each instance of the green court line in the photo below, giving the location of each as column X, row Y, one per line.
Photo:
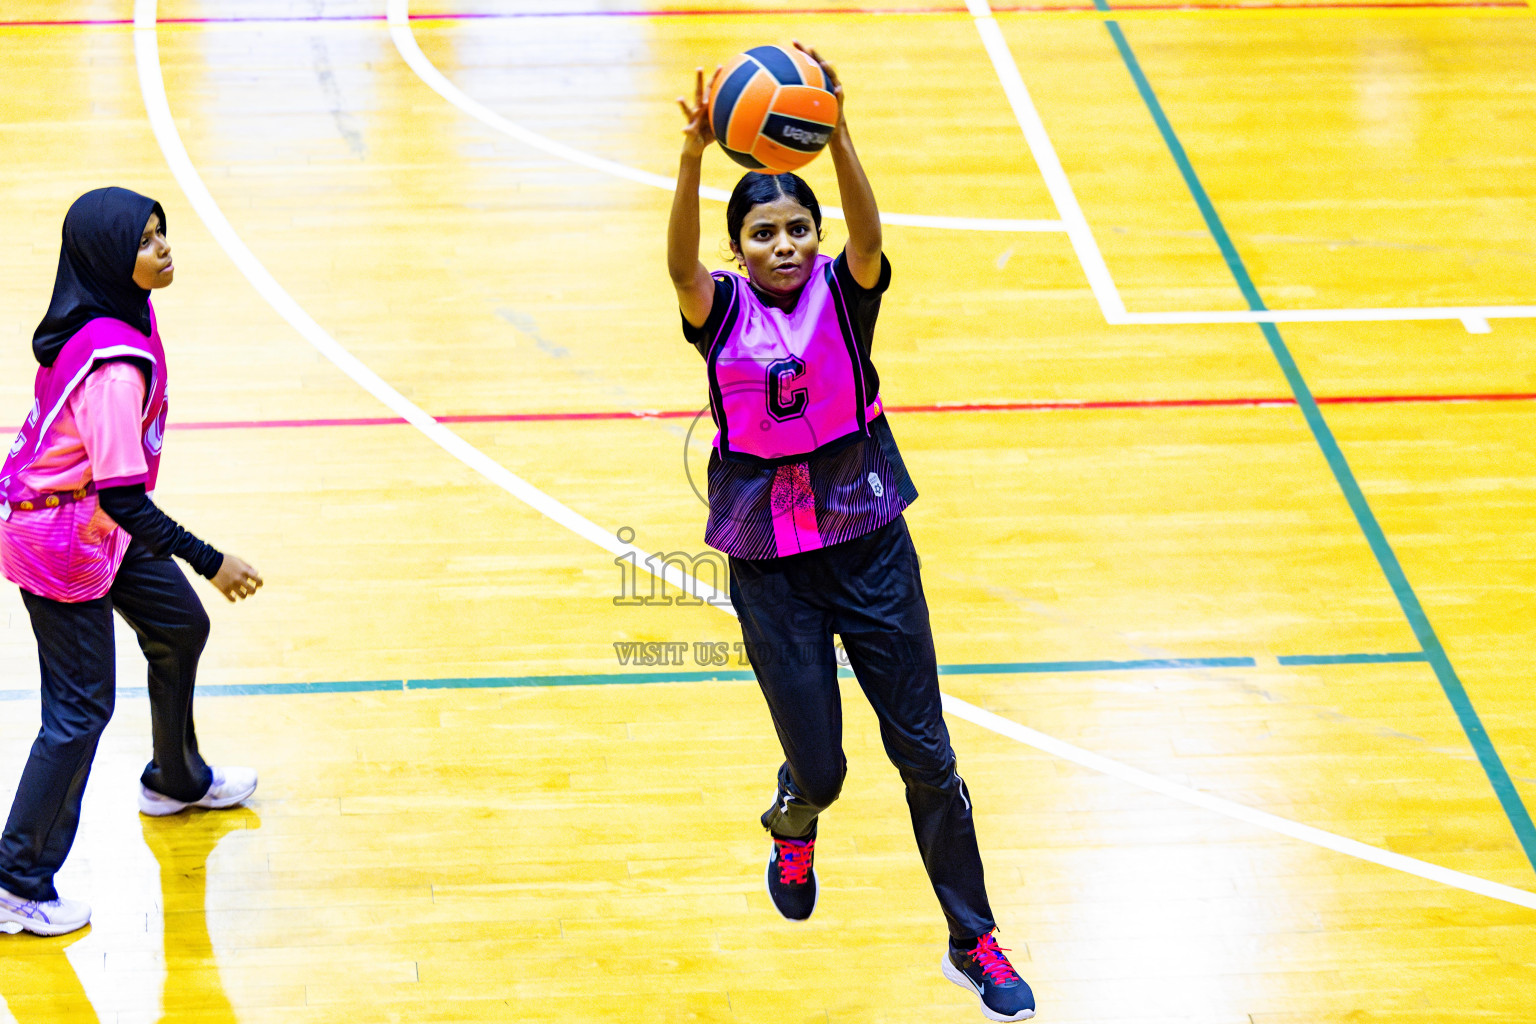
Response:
column 1434, row 653
column 598, row 679
column 999, row 668
column 1352, row 659
column 247, row 689
column 1018, row 667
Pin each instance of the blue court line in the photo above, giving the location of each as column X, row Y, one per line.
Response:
column 1434, row 653
column 999, row 668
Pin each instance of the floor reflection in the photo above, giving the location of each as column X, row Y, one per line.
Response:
column 182, row 845
column 39, row 983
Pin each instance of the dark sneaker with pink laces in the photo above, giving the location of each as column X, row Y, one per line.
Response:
column 792, row 877
column 986, row 971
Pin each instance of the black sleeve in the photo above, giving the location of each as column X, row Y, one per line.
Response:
column 863, row 303
column 702, row 337
column 130, row 507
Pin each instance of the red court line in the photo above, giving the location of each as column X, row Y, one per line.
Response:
column 944, row 407
column 1192, row 5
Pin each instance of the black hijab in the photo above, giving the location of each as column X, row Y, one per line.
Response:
column 101, row 244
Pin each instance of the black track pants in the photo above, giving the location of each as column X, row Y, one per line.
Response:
column 78, row 663
column 868, row 591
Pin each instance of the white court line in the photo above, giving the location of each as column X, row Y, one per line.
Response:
column 1473, row 318
column 1263, row 819
column 410, row 52
column 1073, row 222
column 152, row 84
column 1088, row 254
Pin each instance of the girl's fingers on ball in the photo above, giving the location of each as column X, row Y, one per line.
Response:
column 826, row 65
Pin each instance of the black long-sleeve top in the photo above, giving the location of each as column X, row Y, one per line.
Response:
column 131, row 508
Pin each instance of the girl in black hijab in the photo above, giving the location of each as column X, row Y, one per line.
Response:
column 81, row 537
column 101, row 230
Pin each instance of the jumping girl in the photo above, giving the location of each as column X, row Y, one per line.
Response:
column 81, row 537
column 806, row 493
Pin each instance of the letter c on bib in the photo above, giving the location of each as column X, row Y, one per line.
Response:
column 784, row 404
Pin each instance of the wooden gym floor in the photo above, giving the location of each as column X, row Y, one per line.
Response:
column 1264, row 589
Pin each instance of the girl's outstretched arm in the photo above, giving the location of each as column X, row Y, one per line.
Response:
column 695, row 288
column 859, row 209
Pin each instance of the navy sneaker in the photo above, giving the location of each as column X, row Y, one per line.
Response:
column 792, row 878
column 986, row 971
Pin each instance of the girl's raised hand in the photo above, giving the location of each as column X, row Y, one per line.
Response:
column 698, row 133
column 831, row 73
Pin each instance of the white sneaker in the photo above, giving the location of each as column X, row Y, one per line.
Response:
column 55, row 917
column 230, row 786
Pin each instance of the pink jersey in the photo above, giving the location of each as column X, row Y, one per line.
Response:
column 91, row 425
column 786, row 385
column 804, row 457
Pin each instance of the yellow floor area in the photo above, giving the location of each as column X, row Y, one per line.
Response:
column 1134, row 540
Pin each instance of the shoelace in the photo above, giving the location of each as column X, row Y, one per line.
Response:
column 795, row 860
column 30, row 908
column 989, row 957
